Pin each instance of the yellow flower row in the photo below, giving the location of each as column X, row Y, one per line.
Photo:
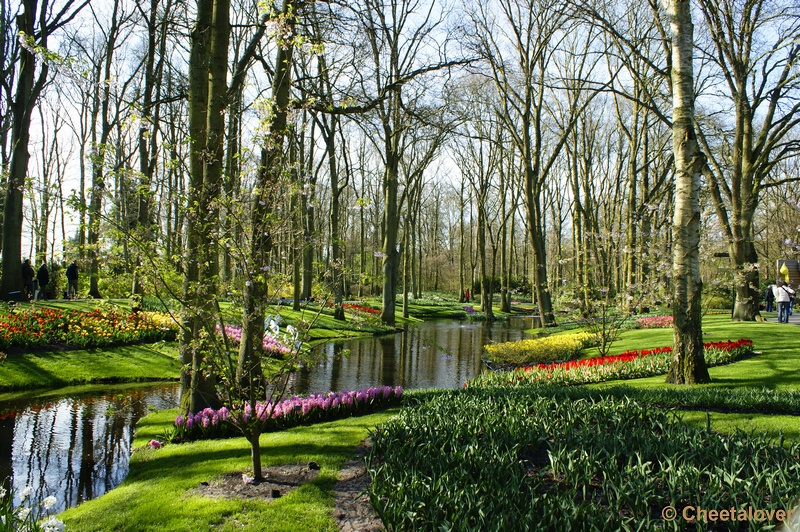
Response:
column 541, row 350
column 162, row 320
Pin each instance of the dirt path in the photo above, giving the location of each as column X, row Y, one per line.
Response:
column 352, row 509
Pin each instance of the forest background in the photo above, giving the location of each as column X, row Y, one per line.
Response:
column 514, row 147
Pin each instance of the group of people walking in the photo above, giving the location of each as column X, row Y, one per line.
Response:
column 37, row 283
column 780, row 294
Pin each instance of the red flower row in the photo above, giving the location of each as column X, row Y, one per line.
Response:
column 361, row 308
column 627, row 356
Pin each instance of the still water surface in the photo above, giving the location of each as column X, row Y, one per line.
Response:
column 438, row 354
column 76, row 445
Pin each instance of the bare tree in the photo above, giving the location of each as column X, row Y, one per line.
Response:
column 399, row 34
column 35, row 25
column 754, row 46
column 519, row 38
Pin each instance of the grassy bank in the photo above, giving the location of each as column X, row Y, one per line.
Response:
column 158, row 493
column 42, row 368
column 132, row 363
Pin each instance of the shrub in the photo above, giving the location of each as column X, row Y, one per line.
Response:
column 540, row 350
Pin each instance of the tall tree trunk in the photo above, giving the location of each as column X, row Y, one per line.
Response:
column 486, row 291
column 26, row 95
column 505, row 303
column 688, row 364
column 197, row 389
column 631, row 243
column 148, row 135
column 100, row 148
column 390, row 222
column 461, row 262
column 406, row 269
column 537, row 235
column 337, row 262
column 232, row 172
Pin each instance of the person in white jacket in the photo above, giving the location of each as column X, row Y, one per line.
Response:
column 783, row 295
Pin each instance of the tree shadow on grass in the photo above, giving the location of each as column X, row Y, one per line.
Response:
column 761, row 373
column 35, row 375
column 287, row 449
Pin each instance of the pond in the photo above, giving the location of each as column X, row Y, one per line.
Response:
column 75, row 443
column 436, row 354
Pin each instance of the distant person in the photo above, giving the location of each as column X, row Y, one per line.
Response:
column 27, row 279
column 791, row 299
column 72, row 280
column 43, row 276
column 783, row 296
column 769, row 298
column 466, row 295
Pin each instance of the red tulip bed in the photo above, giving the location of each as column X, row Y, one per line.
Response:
column 361, row 308
column 628, row 365
column 38, row 328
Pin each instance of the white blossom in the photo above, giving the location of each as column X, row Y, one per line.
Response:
column 49, row 502
column 53, row 525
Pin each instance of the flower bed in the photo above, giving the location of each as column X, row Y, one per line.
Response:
column 290, row 412
column 271, row 344
column 547, row 349
column 654, row 322
column 628, row 365
column 42, row 327
column 361, row 308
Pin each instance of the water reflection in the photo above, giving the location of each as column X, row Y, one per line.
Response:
column 77, row 446
column 431, row 354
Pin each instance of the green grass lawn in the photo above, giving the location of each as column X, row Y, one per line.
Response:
column 146, row 362
column 83, row 305
column 772, row 426
column 777, row 366
column 158, row 493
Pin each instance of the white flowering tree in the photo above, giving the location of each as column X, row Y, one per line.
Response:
column 266, row 380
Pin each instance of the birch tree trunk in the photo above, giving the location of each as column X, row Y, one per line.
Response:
column 688, row 363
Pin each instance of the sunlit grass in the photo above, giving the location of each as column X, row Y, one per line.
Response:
column 773, row 426
column 776, row 366
column 158, row 493
column 128, row 363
